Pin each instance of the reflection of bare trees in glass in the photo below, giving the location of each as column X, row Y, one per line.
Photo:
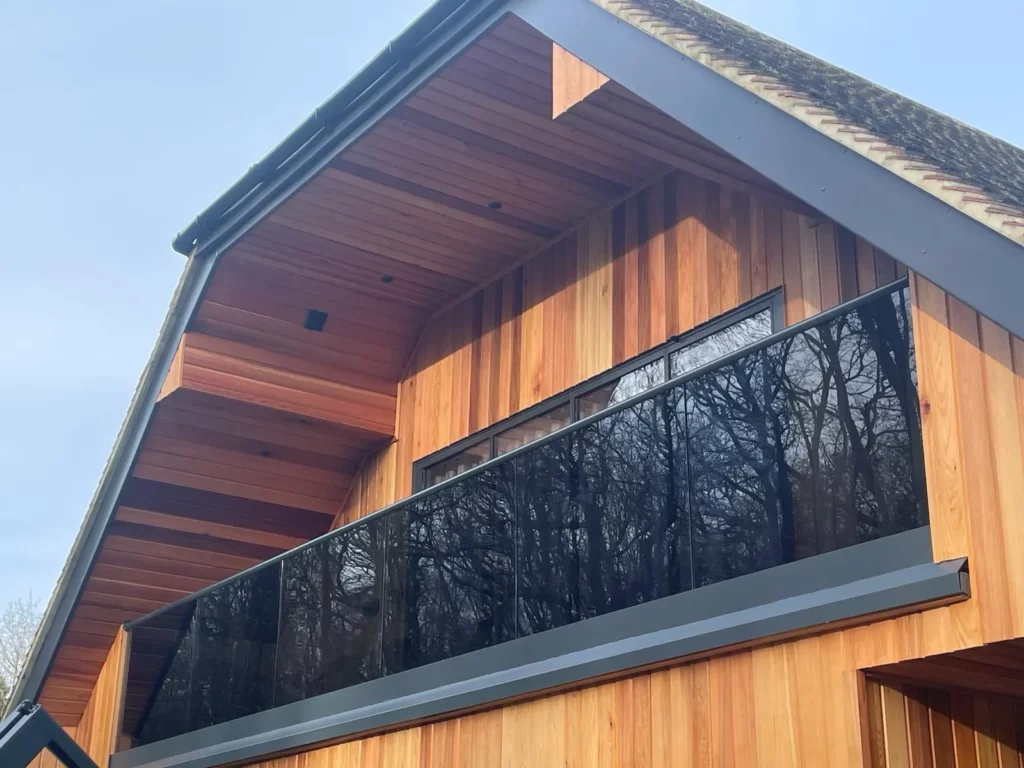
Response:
column 330, row 614
column 222, row 666
column 451, row 568
column 805, row 446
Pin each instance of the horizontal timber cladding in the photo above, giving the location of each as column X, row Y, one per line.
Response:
column 662, row 262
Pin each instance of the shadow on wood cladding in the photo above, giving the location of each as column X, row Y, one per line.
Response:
column 912, row 726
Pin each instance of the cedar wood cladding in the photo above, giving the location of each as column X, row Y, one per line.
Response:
column 675, row 255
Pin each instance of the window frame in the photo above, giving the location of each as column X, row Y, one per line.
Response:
column 772, row 301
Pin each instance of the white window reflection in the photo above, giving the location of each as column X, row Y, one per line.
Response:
column 710, row 348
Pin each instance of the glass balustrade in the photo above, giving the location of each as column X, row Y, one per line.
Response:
column 797, row 445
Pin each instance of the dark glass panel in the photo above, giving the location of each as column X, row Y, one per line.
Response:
column 602, row 522
column 721, row 343
column 626, row 386
column 634, row 534
column 159, row 675
column 234, row 638
column 551, row 539
column 738, row 525
column 330, row 614
column 844, row 408
column 532, row 428
column 465, row 459
column 450, row 572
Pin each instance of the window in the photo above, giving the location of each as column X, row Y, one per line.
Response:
column 677, row 357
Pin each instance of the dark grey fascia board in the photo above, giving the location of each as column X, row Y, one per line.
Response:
column 28, row 730
column 187, row 295
column 441, row 33
column 888, row 576
column 968, row 259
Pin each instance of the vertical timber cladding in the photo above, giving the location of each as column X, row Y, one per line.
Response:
column 97, row 731
column 971, row 382
column 674, row 256
column 911, row 726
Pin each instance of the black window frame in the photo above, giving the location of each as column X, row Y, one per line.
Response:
column 771, row 300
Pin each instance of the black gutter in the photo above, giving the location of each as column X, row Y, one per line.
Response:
column 302, row 152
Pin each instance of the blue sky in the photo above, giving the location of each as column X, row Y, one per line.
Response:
column 122, row 120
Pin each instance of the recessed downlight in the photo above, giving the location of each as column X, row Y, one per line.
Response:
column 315, row 319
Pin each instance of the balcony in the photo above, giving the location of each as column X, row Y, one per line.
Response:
column 793, row 447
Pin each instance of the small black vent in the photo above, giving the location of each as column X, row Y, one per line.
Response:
column 315, row 319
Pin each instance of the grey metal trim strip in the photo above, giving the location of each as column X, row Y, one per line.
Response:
column 76, row 571
column 975, row 263
column 893, row 574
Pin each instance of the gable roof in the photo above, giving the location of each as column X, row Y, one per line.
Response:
column 826, row 99
column 979, row 173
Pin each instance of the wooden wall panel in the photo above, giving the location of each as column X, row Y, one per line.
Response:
column 798, row 703
column 97, row 730
column 572, row 80
column 917, row 727
column 971, row 381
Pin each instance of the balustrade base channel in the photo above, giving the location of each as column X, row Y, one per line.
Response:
column 891, row 575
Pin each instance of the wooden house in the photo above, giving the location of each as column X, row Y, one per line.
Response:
column 586, row 383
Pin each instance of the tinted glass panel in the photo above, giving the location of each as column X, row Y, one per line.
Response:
column 159, row 673
column 450, row 572
column 632, row 509
column 552, row 542
column 530, row 430
column 234, row 637
column 459, row 463
column 738, row 527
column 843, row 403
column 716, row 345
column 331, row 614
